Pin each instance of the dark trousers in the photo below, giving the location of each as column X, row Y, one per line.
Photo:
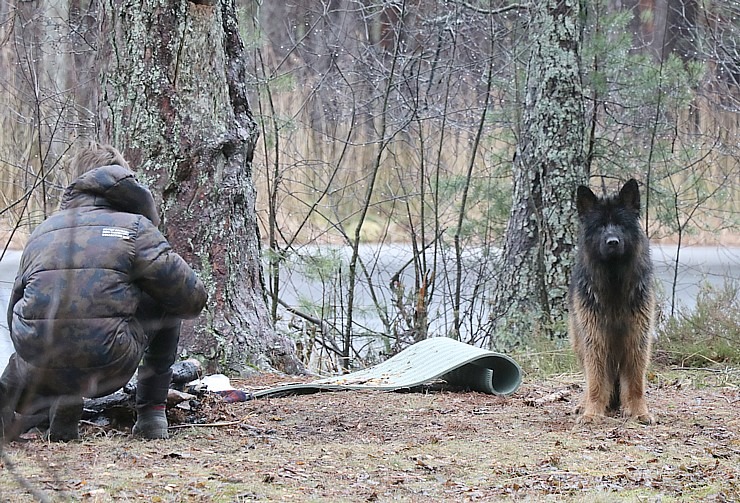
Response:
column 163, row 335
column 30, row 390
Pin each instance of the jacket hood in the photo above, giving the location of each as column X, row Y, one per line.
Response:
column 113, row 186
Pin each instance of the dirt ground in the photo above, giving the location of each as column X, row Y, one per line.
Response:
column 425, row 446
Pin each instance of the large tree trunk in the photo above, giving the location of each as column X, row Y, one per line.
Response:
column 174, row 99
column 539, row 247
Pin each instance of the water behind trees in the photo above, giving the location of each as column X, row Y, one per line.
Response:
column 313, row 284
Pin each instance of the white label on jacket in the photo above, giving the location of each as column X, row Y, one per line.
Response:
column 116, row 232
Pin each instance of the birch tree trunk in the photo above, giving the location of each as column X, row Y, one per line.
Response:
column 173, row 98
column 538, row 254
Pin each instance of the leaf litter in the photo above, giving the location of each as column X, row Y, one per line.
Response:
column 381, row 446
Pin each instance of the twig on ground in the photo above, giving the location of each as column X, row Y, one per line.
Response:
column 557, row 396
column 706, row 369
column 204, row 425
column 217, row 424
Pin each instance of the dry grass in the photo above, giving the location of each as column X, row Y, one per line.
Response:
column 15, row 240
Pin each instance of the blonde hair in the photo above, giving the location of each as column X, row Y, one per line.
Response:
column 96, row 155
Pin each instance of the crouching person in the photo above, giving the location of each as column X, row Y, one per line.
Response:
column 99, row 292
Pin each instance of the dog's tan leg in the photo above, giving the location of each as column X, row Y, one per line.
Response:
column 599, row 385
column 632, row 379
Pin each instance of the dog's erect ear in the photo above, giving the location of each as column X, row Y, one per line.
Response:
column 630, row 195
column 585, row 200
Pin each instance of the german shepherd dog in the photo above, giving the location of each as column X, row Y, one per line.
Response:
column 612, row 304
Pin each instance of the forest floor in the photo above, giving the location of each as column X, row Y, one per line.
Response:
column 428, row 446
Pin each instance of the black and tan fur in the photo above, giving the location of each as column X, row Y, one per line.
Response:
column 612, row 304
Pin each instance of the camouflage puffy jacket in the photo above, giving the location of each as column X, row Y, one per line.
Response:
column 83, row 272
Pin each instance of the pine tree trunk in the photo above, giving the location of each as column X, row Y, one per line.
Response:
column 540, row 236
column 174, row 100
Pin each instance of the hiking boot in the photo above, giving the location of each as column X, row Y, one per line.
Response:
column 9, row 394
column 8, row 427
column 64, row 419
column 151, row 400
column 151, row 422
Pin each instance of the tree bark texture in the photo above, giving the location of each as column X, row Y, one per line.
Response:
column 538, row 253
column 174, row 99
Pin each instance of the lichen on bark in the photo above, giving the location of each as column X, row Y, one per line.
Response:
column 176, row 103
column 530, row 297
